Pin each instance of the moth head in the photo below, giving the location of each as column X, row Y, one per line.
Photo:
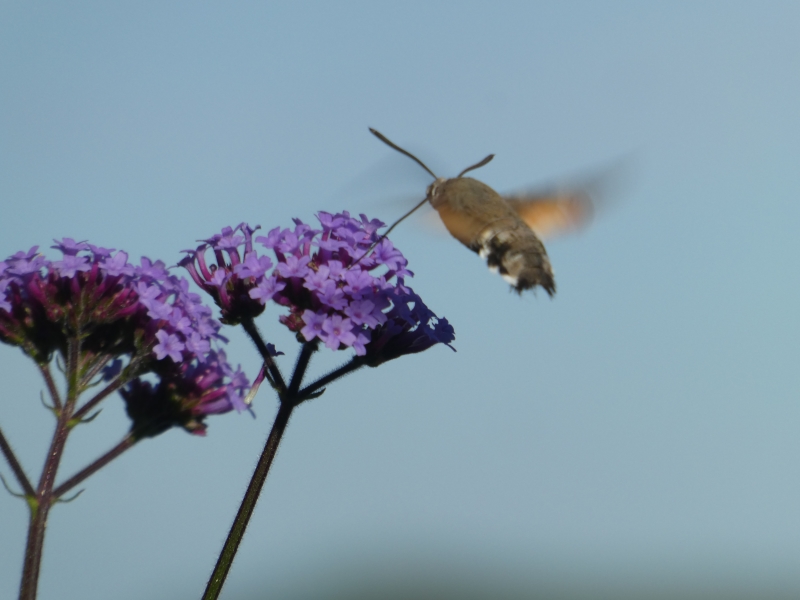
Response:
column 435, row 189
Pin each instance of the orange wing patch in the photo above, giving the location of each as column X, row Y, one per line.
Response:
column 550, row 215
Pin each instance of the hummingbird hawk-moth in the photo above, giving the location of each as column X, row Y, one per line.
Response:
column 505, row 230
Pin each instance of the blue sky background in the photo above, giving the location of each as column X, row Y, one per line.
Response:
column 640, row 429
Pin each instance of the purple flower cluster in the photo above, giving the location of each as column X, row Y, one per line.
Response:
column 118, row 310
column 334, row 290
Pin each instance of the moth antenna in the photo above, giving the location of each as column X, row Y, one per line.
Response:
column 388, row 231
column 476, row 165
column 386, row 141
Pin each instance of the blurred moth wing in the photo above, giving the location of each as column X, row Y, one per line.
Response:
column 551, row 215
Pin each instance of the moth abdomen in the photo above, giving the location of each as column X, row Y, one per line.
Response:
column 518, row 255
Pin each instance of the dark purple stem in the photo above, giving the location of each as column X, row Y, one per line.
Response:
column 217, row 579
column 272, row 368
column 356, row 363
column 289, row 399
column 300, row 368
column 129, row 373
column 43, row 500
column 99, row 397
column 23, row 480
column 127, row 442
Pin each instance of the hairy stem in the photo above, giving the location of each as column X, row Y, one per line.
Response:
column 300, row 368
column 97, row 398
column 289, row 399
column 126, row 443
column 272, row 368
column 41, row 503
column 44, row 369
column 218, row 576
column 355, row 363
column 19, row 473
column 96, row 366
column 128, row 373
column 40, row 507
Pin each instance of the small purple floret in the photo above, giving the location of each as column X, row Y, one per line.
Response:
column 71, row 264
column 338, row 331
column 313, row 325
column 168, row 345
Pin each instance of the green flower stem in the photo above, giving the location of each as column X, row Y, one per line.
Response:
column 41, row 502
column 19, row 473
column 100, row 396
column 131, row 371
column 97, row 365
column 228, row 553
column 44, row 369
column 73, row 362
column 127, row 442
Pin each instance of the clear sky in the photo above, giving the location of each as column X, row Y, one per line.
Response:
column 641, row 428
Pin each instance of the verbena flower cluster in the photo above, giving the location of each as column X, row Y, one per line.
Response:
column 334, row 290
column 118, row 311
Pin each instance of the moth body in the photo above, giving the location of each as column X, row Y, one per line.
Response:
column 484, row 222
column 504, row 230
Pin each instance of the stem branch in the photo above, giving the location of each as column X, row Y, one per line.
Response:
column 127, row 442
column 19, row 473
column 44, row 369
column 97, row 398
column 300, row 368
column 355, row 363
column 272, row 368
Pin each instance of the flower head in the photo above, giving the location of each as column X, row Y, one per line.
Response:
column 236, row 282
column 335, row 289
column 184, row 395
column 116, row 310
